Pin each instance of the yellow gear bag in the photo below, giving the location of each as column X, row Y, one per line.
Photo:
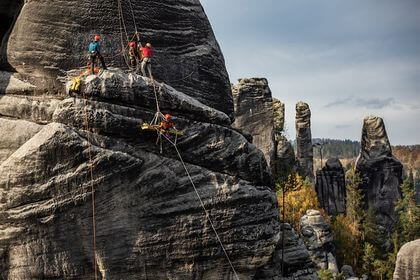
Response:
column 75, row 86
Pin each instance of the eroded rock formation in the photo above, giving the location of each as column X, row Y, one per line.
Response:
column 304, row 150
column 318, row 239
column 408, row 262
column 254, row 113
column 381, row 172
column 284, row 160
column 297, row 262
column 261, row 117
column 51, row 36
column 331, row 187
column 149, row 222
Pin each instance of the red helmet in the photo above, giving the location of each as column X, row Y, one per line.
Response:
column 97, row 37
column 132, row 44
column 167, row 117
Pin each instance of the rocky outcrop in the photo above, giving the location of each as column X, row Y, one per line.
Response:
column 149, row 222
column 318, row 239
column 331, row 187
column 254, row 113
column 304, row 150
column 381, row 172
column 297, row 263
column 408, row 262
column 49, row 37
column 284, row 158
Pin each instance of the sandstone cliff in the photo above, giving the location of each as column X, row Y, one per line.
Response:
column 331, row 187
column 408, row 262
column 149, row 222
column 381, row 172
column 304, row 150
column 40, row 39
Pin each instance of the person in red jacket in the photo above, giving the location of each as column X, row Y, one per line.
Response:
column 147, row 54
column 166, row 124
column 132, row 54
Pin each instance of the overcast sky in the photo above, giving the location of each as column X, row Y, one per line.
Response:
column 346, row 59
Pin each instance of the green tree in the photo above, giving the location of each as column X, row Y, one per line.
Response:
column 325, row 274
column 409, row 213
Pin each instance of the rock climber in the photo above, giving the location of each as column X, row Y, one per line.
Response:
column 132, row 54
column 166, row 124
column 95, row 52
column 147, row 54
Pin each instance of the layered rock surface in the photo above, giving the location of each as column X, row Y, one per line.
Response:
column 408, row 262
column 304, row 150
column 49, row 37
column 149, row 222
column 261, row 117
column 318, row 239
column 297, row 262
column 381, row 172
column 331, row 187
column 254, row 113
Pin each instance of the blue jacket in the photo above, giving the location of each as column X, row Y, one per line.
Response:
column 94, row 47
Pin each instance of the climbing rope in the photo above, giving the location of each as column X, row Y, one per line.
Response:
column 132, row 14
column 92, row 186
column 202, row 204
column 174, row 144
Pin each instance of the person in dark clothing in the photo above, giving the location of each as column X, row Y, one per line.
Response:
column 95, row 52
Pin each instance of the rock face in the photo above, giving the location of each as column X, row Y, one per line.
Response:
column 254, row 113
column 297, row 262
column 304, row 150
column 408, row 262
column 380, row 170
column 149, row 222
column 331, row 187
column 318, row 239
column 284, row 158
column 49, row 37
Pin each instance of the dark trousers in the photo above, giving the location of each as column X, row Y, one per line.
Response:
column 92, row 57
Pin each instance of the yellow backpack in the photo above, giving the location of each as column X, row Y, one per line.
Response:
column 75, row 86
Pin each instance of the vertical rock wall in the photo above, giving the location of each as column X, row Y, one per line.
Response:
column 304, row 150
column 52, row 36
column 331, row 187
column 254, row 113
column 381, row 172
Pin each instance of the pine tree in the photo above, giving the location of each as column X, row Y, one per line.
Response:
column 408, row 213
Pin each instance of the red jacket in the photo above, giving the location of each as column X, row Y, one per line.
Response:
column 147, row 52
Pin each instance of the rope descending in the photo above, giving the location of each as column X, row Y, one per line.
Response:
column 174, row 144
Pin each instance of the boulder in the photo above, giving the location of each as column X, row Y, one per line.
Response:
column 407, row 266
column 318, row 239
column 254, row 113
column 330, row 187
column 381, row 172
column 41, row 39
column 347, row 271
column 149, row 221
column 304, row 149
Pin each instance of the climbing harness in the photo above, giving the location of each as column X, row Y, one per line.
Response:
column 159, row 116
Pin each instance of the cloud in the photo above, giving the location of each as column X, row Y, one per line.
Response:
column 339, row 102
column 374, row 103
column 343, row 126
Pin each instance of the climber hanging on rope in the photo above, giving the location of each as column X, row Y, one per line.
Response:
column 166, row 124
column 94, row 53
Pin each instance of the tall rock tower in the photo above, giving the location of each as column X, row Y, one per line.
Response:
column 380, row 170
column 304, row 150
column 254, row 113
column 331, row 187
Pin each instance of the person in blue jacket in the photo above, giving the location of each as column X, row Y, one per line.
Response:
column 95, row 52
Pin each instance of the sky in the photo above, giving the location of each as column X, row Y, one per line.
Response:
column 346, row 59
